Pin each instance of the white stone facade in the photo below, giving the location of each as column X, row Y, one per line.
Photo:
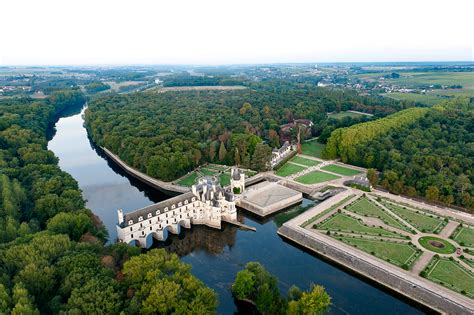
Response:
column 207, row 204
column 280, row 154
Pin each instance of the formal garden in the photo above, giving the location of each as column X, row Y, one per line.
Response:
column 221, row 172
column 400, row 234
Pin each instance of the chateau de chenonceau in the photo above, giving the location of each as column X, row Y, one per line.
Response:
column 207, row 204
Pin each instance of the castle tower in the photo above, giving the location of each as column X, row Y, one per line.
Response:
column 237, row 180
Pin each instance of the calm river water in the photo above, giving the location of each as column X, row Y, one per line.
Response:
column 216, row 256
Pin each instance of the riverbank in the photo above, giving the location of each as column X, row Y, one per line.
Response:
column 155, row 183
column 403, row 282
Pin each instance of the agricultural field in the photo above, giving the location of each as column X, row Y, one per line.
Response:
column 316, row 177
column 304, row 161
column 289, row 169
column 420, row 220
column 427, row 99
column 344, row 171
column 312, row 148
column 363, row 206
column 451, row 275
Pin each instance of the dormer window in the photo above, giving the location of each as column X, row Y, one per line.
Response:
column 193, row 199
column 166, row 209
column 186, row 202
column 140, row 218
column 157, row 212
column 130, row 222
column 180, row 204
column 149, row 215
column 173, row 206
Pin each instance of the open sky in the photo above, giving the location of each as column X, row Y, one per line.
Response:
column 67, row 32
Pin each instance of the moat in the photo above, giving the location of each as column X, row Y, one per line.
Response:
column 215, row 255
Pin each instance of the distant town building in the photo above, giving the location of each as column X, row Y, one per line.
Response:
column 207, row 203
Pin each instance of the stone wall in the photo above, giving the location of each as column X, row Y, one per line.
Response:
column 416, row 289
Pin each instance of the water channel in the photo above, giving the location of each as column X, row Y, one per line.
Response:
column 215, row 255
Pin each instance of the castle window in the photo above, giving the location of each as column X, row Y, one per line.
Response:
column 140, row 218
column 186, row 202
column 150, row 221
column 193, row 199
column 130, row 222
column 150, row 228
column 149, row 215
column 173, row 206
column 180, row 204
column 166, row 209
column 158, row 212
column 131, row 235
column 131, row 229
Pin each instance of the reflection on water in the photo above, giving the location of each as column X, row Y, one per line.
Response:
column 215, row 255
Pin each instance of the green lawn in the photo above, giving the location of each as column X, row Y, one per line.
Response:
column 420, row 221
column 464, row 235
column 304, row 161
column 188, row 180
column 468, row 261
column 344, row 171
column 312, row 148
column 452, row 275
column 447, row 248
column 326, row 211
column 316, row 177
column 289, row 169
column 396, row 253
column 342, row 115
column 344, row 223
column 224, row 179
column 365, row 207
column 208, row 171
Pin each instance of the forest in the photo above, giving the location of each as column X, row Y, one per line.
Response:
column 168, row 134
column 52, row 254
column 430, row 153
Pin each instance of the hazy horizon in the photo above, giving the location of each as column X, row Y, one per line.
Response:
column 114, row 33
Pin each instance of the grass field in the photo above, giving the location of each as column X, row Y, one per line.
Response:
column 447, row 249
column 303, row 161
column 364, row 206
column 315, row 177
column 344, row 223
column 326, row 211
column 464, row 235
column 342, row 115
column 208, row 171
column 421, row 221
column 344, row 171
column 452, row 275
column 188, row 180
column 224, row 179
column 396, row 253
column 313, row 148
column 428, row 99
column 289, row 169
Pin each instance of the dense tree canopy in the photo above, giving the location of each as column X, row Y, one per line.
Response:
column 52, row 257
column 168, row 134
column 431, row 155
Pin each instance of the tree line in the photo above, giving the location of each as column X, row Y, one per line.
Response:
column 429, row 154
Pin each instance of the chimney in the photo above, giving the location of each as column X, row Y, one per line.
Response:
column 120, row 216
